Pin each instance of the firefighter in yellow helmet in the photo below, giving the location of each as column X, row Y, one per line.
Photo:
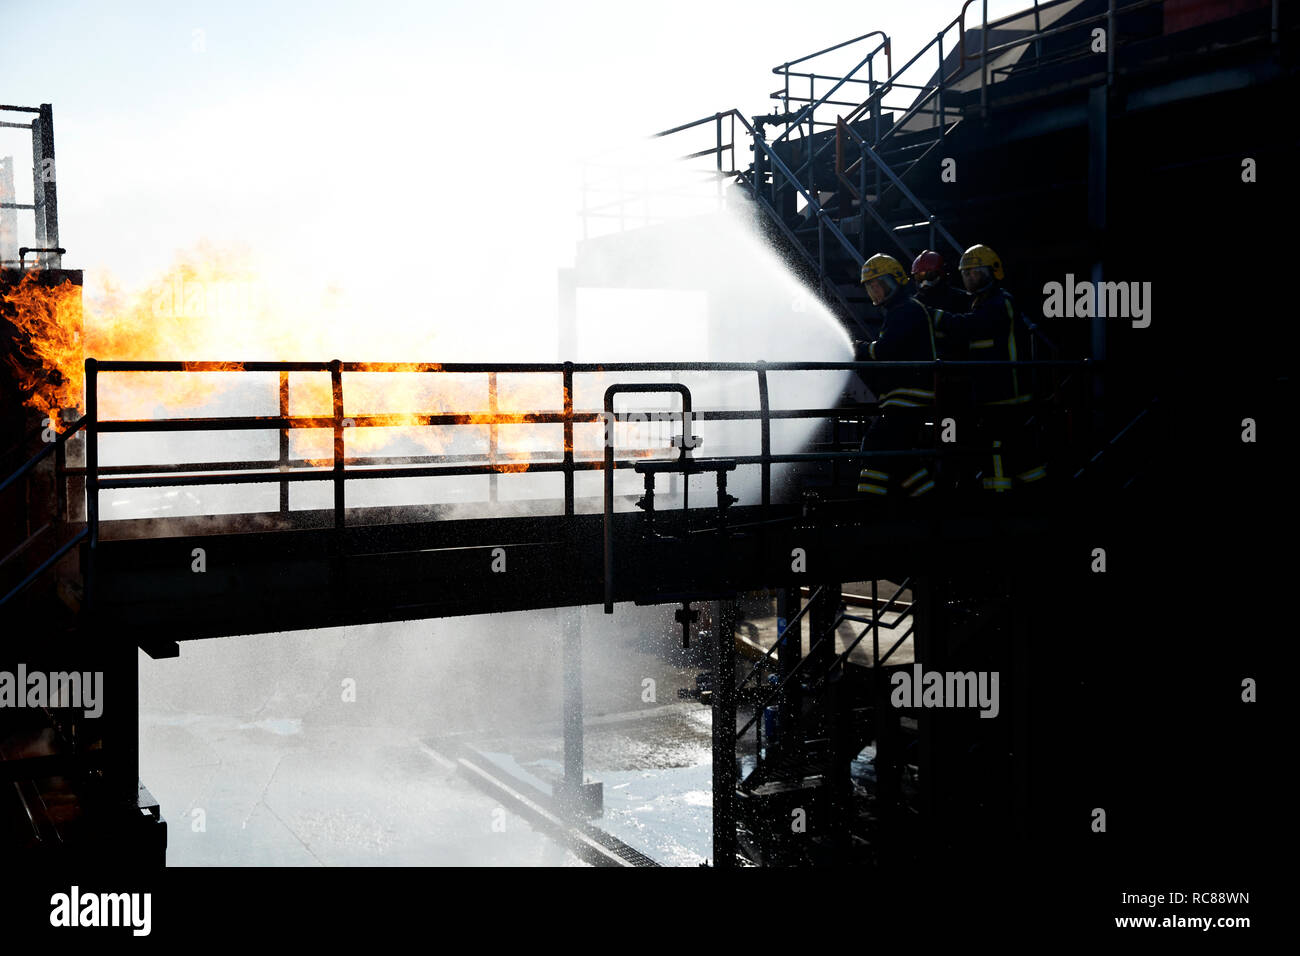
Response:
column 906, row 335
column 989, row 330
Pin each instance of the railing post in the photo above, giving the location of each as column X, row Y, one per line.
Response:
column 862, row 200
column 492, row 435
column 788, row 655
column 92, row 452
column 724, row 735
column 943, row 120
column 812, row 130
column 984, row 63
column 568, row 438
column 733, row 142
column 336, row 381
column 718, row 157
column 766, row 435
column 60, row 468
column 284, row 442
column 821, row 245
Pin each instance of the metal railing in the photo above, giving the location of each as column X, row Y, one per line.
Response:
column 44, row 206
column 765, row 195
column 827, row 639
column 929, row 80
column 338, row 467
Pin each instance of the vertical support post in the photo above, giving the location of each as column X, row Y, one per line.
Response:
column 1038, row 28
column 835, row 446
column 943, row 120
column 733, row 142
column 812, row 131
column 788, row 654
column 871, row 94
column 862, row 202
column 568, row 438
column 46, row 174
column 888, row 757
column 571, row 653
column 875, row 624
column 8, row 215
column 875, row 129
column 336, row 382
column 284, row 443
column 821, row 619
column 38, row 187
column 724, row 735
column 60, row 469
column 119, row 725
column 492, row 435
column 766, row 435
column 821, row 246
column 92, row 465
column 984, row 64
column 718, row 157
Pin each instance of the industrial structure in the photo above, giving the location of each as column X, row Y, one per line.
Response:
column 1114, row 162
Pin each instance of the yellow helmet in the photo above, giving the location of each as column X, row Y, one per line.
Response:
column 882, row 265
column 981, row 256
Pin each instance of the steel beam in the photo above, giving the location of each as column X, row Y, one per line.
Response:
column 725, row 844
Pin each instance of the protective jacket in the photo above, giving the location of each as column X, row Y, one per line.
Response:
column 907, row 335
column 988, row 332
column 942, row 297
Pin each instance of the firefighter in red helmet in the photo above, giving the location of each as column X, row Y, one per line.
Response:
column 929, row 273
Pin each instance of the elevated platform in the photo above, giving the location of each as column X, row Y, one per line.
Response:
column 270, row 580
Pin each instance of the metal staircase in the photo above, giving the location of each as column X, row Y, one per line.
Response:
column 836, row 178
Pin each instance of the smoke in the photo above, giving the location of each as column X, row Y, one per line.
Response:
column 697, row 285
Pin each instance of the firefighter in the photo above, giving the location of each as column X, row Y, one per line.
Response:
column 906, row 335
column 988, row 331
column 929, row 272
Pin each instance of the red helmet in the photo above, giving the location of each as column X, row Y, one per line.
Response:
column 927, row 262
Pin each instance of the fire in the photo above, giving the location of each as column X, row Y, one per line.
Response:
column 214, row 312
column 48, row 361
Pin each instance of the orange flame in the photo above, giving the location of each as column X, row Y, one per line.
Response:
column 48, row 361
column 208, row 306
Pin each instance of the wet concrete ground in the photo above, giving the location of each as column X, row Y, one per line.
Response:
column 258, row 758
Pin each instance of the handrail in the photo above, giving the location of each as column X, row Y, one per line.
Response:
column 830, row 49
column 812, row 106
column 45, row 565
column 814, row 643
column 683, row 454
column 49, row 448
column 907, row 193
column 811, row 200
column 781, row 637
column 339, row 468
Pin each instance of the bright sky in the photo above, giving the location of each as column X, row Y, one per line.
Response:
column 434, row 146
